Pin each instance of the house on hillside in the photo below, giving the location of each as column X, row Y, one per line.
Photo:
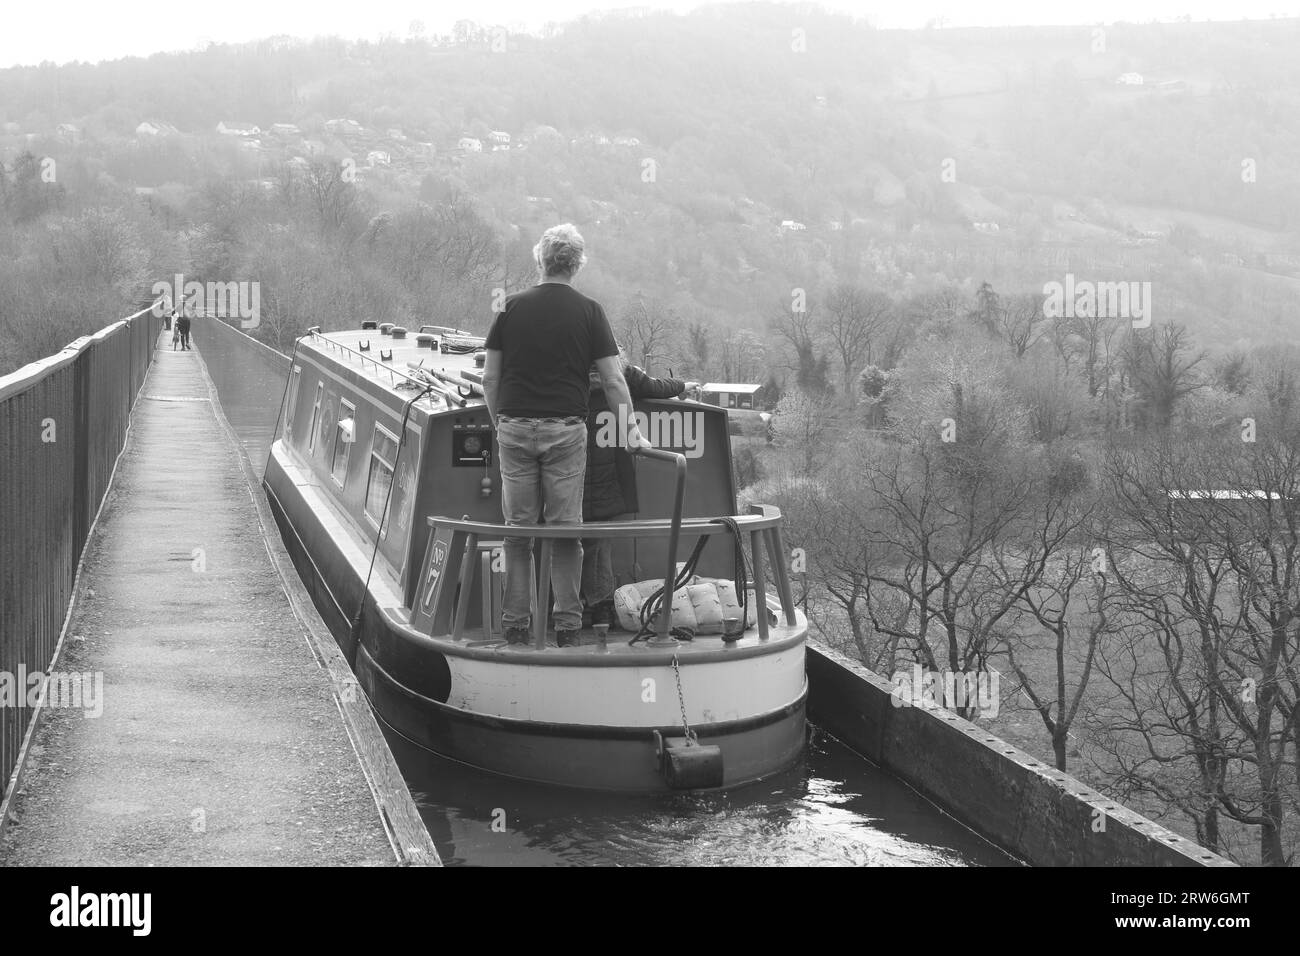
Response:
column 792, row 225
column 626, row 141
column 988, row 228
column 468, row 144
column 238, row 129
column 1129, row 79
column 68, row 132
column 285, row 129
column 150, row 128
column 378, row 157
column 344, row 127
column 499, row 138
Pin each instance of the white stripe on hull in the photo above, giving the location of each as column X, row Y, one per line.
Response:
column 628, row 696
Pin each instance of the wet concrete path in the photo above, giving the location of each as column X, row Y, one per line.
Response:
column 221, row 740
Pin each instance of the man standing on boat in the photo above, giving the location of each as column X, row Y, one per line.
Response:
column 535, row 382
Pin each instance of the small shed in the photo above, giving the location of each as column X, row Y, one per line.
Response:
column 732, row 395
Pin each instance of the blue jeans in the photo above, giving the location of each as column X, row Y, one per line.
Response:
column 543, row 463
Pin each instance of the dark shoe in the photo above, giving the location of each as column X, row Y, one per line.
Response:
column 518, row 635
column 567, row 638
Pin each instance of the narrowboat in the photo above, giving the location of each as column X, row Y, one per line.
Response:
column 384, row 481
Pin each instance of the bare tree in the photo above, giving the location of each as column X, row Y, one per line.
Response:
column 801, row 334
column 651, row 332
column 1161, row 367
column 741, row 356
column 331, row 195
column 801, row 422
column 1072, row 602
column 1216, row 581
column 855, row 318
column 1019, row 322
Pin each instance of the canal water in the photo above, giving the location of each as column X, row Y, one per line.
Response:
column 833, row 808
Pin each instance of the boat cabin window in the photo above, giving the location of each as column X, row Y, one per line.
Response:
column 315, row 416
column 383, row 459
column 344, row 435
column 293, row 399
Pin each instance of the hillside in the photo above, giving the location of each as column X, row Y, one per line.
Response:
column 903, row 161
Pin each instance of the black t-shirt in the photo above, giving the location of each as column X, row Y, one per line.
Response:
column 548, row 337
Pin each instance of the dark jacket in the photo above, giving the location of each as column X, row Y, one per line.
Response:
column 610, row 488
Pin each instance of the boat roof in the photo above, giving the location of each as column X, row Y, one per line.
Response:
column 402, row 372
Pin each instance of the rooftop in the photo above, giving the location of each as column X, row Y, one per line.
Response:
column 725, row 387
column 409, row 364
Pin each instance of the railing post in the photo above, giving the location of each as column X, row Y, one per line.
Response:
column 760, row 582
column 776, row 550
column 541, row 587
column 466, row 579
column 674, row 532
column 485, row 592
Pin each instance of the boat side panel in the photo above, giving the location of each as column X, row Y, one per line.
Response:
column 638, row 696
column 368, row 405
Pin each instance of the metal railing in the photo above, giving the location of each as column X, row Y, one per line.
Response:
column 63, row 424
column 440, row 607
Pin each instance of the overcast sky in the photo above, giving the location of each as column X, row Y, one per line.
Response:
column 96, row 30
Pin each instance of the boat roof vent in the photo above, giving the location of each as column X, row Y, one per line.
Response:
column 385, row 328
column 369, row 324
column 399, row 332
column 426, row 341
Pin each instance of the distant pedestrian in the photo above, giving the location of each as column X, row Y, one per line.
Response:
column 183, row 327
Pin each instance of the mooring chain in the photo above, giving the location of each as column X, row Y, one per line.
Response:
column 681, row 699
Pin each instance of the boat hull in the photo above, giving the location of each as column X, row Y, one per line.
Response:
column 415, row 684
column 593, row 757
